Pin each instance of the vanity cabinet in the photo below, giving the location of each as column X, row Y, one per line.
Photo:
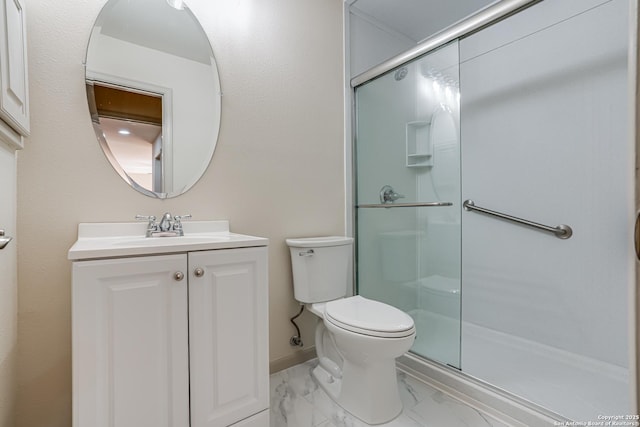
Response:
column 14, row 86
column 171, row 340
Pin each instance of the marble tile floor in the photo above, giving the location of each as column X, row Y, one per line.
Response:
column 297, row 401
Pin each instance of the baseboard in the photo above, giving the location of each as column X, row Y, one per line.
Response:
column 296, row 358
column 504, row 407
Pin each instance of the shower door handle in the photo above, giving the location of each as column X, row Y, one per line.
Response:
column 637, row 236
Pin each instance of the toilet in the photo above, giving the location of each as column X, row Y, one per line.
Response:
column 357, row 339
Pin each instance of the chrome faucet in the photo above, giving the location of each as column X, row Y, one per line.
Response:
column 165, row 224
column 168, row 227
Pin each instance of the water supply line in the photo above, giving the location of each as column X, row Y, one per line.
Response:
column 296, row 340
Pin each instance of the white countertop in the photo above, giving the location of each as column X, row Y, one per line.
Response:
column 120, row 239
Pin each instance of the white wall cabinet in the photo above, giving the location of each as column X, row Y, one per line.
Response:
column 14, row 83
column 152, row 349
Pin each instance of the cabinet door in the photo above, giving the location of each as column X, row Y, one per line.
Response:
column 14, row 93
column 229, row 335
column 130, row 343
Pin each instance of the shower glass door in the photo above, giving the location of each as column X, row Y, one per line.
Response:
column 408, row 160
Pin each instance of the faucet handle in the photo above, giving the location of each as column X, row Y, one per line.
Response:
column 151, row 226
column 177, row 224
column 150, row 218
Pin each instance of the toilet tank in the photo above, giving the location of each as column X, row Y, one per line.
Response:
column 322, row 267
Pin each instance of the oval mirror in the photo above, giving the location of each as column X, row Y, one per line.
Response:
column 153, row 93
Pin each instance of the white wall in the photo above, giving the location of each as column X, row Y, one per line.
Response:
column 277, row 171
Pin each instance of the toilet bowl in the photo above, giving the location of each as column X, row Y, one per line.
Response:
column 357, row 339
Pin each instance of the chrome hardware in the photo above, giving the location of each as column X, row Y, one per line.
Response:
column 198, row 272
column 177, row 224
column 151, row 226
column 310, row 252
column 481, row 19
column 637, row 236
column 296, row 340
column 4, row 240
column 145, row 217
column 165, row 223
column 389, row 195
column 406, row 205
column 178, row 276
column 168, row 226
column 561, row 231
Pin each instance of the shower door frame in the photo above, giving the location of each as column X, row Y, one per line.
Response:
column 449, row 379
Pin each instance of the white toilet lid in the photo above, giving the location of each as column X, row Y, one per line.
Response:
column 365, row 316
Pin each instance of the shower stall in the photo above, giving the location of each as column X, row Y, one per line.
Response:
column 494, row 180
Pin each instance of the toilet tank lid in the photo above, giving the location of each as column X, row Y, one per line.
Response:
column 317, row 242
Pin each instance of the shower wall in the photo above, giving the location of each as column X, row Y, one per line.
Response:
column 544, row 120
column 538, row 130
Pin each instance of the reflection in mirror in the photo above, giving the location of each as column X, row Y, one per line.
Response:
column 131, row 126
column 154, row 94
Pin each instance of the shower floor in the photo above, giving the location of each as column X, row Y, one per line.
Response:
column 577, row 387
column 571, row 385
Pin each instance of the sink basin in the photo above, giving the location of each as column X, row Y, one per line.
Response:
column 108, row 240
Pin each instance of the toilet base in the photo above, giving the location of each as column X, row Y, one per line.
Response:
column 330, row 384
column 369, row 393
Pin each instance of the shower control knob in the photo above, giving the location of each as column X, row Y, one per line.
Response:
column 178, row 276
column 389, row 195
column 198, row 272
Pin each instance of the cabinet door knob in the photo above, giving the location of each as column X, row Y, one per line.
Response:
column 178, row 276
column 198, row 272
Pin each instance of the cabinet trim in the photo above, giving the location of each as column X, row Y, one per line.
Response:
column 14, row 100
column 10, row 137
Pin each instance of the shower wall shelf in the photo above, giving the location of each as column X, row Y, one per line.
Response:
column 419, row 147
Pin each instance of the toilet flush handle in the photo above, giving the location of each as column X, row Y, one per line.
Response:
column 306, row 253
column 4, row 240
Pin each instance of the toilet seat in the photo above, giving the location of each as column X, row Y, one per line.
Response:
column 367, row 317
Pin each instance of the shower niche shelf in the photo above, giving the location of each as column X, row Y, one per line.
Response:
column 418, row 142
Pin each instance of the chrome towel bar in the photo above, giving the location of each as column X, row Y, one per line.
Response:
column 561, row 231
column 406, row 205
